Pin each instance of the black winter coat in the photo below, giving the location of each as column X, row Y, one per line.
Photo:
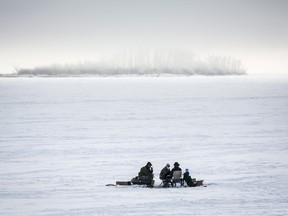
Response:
column 145, row 171
column 175, row 169
column 188, row 180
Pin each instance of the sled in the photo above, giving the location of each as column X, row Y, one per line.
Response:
column 142, row 184
column 199, row 182
column 123, row 183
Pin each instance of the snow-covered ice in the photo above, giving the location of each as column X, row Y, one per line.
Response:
column 63, row 139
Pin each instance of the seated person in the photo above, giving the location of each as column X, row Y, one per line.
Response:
column 146, row 174
column 165, row 175
column 176, row 174
column 176, row 168
column 189, row 181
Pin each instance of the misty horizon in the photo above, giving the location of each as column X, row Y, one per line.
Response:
column 38, row 33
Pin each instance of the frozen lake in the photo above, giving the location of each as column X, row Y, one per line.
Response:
column 63, row 139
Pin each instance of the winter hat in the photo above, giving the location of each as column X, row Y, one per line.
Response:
column 167, row 165
column 148, row 164
column 186, row 170
column 176, row 164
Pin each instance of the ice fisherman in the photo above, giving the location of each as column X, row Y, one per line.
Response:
column 176, row 168
column 146, row 173
column 189, row 181
column 165, row 175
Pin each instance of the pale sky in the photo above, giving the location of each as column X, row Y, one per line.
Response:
column 41, row 32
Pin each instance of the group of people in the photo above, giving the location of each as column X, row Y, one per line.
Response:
column 146, row 175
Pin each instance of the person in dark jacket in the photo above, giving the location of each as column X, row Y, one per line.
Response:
column 189, row 181
column 146, row 174
column 165, row 175
column 176, row 168
column 177, row 177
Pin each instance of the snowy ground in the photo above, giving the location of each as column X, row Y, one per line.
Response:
column 63, row 139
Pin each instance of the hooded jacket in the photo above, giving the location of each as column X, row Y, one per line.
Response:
column 145, row 171
column 188, row 180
